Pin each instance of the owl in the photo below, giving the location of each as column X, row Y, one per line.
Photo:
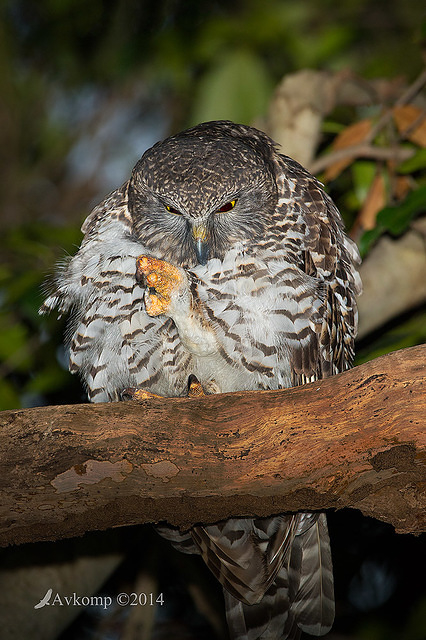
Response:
column 221, row 261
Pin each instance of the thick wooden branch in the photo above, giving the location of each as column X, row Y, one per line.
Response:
column 355, row 440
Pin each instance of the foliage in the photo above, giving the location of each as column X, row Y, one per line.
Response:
column 395, row 219
column 382, row 194
column 33, row 367
column 407, row 331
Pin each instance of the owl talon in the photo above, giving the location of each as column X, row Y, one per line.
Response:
column 195, row 389
column 133, row 393
column 162, row 280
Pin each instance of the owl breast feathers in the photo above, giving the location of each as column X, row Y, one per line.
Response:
column 246, row 280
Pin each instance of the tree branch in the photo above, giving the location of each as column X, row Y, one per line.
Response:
column 366, row 149
column 363, row 150
column 354, row 440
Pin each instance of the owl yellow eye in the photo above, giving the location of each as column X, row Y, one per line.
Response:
column 173, row 210
column 227, row 207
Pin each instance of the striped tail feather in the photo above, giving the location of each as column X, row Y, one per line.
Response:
column 276, row 573
column 311, row 589
column 270, row 619
column 246, row 554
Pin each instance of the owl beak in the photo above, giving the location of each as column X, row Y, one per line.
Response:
column 200, row 236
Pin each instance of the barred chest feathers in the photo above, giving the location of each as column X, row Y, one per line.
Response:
column 253, row 303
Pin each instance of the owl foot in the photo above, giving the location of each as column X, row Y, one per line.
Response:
column 133, row 393
column 195, row 390
column 164, row 282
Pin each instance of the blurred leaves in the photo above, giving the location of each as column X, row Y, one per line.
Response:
column 416, row 163
column 352, row 135
column 411, row 123
column 407, row 332
column 396, row 219
column 378, row 165
column 236, row 88
column 374, row 200
column 29, row 368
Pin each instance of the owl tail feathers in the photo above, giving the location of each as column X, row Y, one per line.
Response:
column 310, row 573
column 301, row 598
column 270, row 619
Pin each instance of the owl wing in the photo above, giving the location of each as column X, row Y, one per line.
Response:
column 114, row 344
column 284, row 308
column 316, row 245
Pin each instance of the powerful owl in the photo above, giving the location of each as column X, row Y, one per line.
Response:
column 221, row 261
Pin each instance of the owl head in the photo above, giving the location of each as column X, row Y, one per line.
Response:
column 196, row 194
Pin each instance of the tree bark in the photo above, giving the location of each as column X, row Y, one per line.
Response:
column 355, row 440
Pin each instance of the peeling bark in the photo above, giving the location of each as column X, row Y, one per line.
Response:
column 355, row 440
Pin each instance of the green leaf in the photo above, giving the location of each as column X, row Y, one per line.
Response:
column 369, row 238
column 48, row 379
column 236, row 88
column 417, row 162
column 15, row 350
column 406, row 334
column 395, row 220
column 363, row 172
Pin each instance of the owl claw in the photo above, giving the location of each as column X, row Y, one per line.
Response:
column 162, row 280
column 195, row 389
column 133, row 393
